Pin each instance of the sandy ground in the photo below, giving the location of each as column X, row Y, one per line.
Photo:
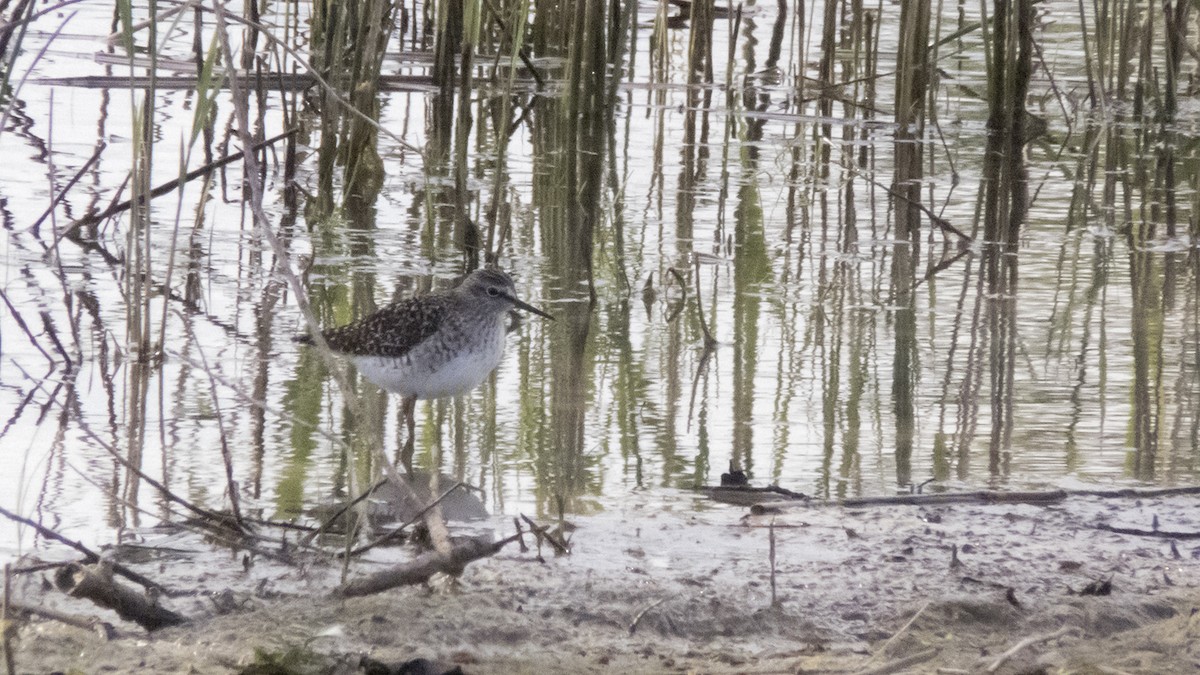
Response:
column 687, row 588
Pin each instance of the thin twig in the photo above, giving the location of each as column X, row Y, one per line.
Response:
column 544, row 533
column 210, row 524
column 1164, row 534
column 709, row 341
column 1027, row 643
column 10, row 661
column 637, row 619
column 114, row 38
column 103, row 628
column 902, row 664
column 903, row 629
column 90, row 555
column 520, row 52
column 345, row 507
column 223, row 14
column 203, row 513
column 396, row 532
column 282, row 258
column 226, row 455
column 169, row 186
column 25, row 328
column 14, row 94
column 933, row 217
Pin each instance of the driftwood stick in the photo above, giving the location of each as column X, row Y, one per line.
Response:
column 902, row 664
column 520, row 535
column 638, row 619
column 95, row 624
column 978, row 497
column 424, row 566
column 1025, row 644
column 983, row 496
column 1164, row 534
column 986, row 497
column 1142, row 494
column 545, row 533
column 903, row 629
column 96, row 583
column 744, row 495
column 89, row 555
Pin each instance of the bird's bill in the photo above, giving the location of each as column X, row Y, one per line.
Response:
column 530, row 308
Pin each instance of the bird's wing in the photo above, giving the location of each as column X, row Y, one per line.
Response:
column 392, row 331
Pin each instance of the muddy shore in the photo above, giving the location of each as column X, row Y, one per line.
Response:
column 653, row 588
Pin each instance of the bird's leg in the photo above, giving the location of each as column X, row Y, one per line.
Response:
column 409, row 406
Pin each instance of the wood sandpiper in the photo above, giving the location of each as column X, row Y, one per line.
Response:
column 435, row 345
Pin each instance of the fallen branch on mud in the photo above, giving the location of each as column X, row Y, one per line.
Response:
column 638, row 619
column 545, row 533
column 88, row 554
column 103, row 629
column 977, row 497
column 425, row 566
column 902, row 664
column 96, row 583
column 903, row 629
column 744, row 495
column 1164, row 534
column 1027, row 643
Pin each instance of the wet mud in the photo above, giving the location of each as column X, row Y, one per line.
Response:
column 687, row 587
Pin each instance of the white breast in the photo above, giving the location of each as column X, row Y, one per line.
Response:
column 433, row 372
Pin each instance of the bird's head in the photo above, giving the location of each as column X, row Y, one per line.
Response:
column 491, row 287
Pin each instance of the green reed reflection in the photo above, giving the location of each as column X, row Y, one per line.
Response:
column 867, row 248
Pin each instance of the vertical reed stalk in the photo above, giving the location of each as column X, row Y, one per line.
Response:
column 1174, row 19
column 825, row 76
column 517, row 23
column 138, row 271
column 700, row 59
column 871, row 74
column 448, row 41
column 462, row 127
column 1126, row 40
column 912, row 76
column 10, row 659
column 660, row 55
column 24, row 9
column 800, row 62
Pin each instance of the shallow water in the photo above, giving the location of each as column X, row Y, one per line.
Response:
column 823, row 380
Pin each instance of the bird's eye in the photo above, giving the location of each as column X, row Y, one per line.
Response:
column 493, row 291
